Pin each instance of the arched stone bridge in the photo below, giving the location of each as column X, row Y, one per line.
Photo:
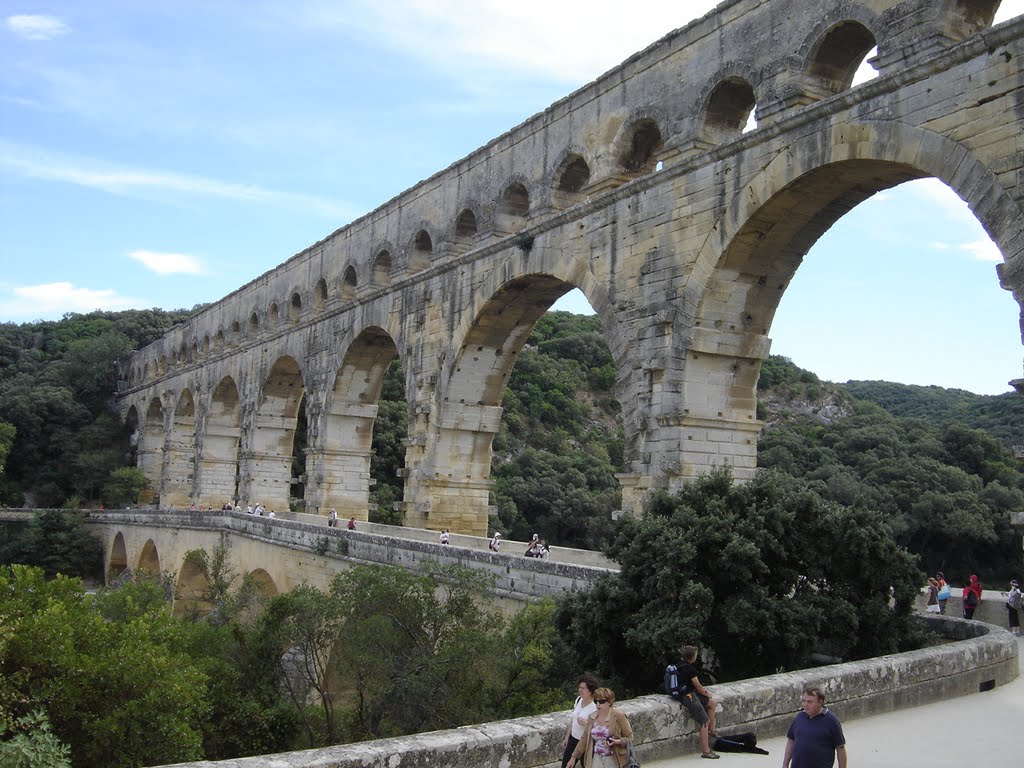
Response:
column 641, row 190
column 281, row 554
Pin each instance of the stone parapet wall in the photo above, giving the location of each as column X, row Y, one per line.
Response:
column 979, row 656
column 512, row 547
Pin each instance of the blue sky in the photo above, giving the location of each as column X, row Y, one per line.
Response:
column 163, row 154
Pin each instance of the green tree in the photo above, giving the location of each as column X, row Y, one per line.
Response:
column 58, row 542
column 7, row 433
column 761, row 574
column 118, row 693
column 124, row 485
column 27, row 742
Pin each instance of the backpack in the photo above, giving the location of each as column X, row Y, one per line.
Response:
column 672, row 681
column 1014, row 600
column 972, row 598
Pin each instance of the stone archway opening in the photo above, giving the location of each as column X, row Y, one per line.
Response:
column 358, row 465
column 149, row 559
column 756, row 269
column 571, row 178
column 263, row 583
column 640, row 153
column 382, row 268
column 941, row 257
column 454, row 478
column 219, row 460
column 268, row 479
column 191, row 592
column 179, row 458
column 118, row 562
column 731, row 111
column 840, row 53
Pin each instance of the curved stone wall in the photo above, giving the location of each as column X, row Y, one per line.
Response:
column 980, row 654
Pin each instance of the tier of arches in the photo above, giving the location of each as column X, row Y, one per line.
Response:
column 647, row 140
column 190, row 582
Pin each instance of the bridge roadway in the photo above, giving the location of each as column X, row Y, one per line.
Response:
column 981, row 729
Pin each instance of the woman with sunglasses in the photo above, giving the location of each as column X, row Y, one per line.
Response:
column 606, row 737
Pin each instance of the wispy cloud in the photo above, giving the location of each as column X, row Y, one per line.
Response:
column 54, row 299
column 141, row 182
column 505, row 35
column 37, row 27
column 983, row 250
column 168, row 263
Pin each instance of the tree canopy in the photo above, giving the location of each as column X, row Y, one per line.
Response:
column 761, row 574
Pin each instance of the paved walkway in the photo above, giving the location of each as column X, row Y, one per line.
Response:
column 983, row 730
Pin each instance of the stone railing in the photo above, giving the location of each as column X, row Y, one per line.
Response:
column 980, row 656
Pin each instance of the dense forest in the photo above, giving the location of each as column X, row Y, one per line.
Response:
column 57, row 380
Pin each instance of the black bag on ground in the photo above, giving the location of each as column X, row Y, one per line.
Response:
column 739, row 742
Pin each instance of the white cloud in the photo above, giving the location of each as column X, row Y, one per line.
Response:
column 983, row 250
column 55, row 299
column 940, row 246
column 168, row 263
column 37, row 27
column 573, row 44
column 141, row 182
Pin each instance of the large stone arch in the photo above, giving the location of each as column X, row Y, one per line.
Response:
column 272, row 439
column 117, row 559
column 150, row 445
column 758, row 243
column 149, row 558
column 179, row 458
column 339, row 463
column 450, row 486
column 190, row 591
column 263, row 583
column 218, row 461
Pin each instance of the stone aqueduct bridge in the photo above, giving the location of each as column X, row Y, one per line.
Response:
column 641, row 190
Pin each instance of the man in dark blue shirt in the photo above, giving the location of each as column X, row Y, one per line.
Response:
column 815, row 737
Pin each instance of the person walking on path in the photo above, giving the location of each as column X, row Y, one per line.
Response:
column 815, row 738
column 1013, row 603
column 944, row 591
column 932, row 596
column 351, row 523
column 581, row 712
column 606, row 738
column 495, row 543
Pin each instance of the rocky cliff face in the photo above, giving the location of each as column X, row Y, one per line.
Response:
column 818, row 404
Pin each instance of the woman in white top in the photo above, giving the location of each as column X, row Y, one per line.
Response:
column 581, row 712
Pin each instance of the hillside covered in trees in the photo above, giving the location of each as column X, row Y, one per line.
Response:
column 937, row 463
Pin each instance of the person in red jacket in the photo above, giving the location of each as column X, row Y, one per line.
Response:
column 971, row 597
